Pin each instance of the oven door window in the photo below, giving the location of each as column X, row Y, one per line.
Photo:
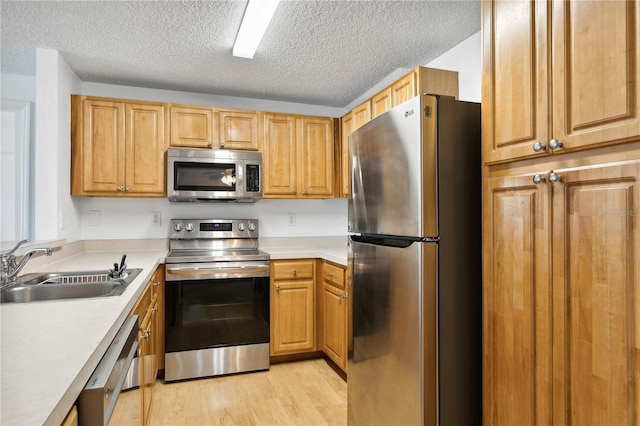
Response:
column 190, row 176
column 215, row 313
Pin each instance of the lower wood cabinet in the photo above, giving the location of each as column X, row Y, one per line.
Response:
column 334, row 309
column 561, row 286
column 292, row 306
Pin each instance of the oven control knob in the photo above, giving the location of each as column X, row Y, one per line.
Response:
column 241, row 227
column 188, row 227
column 252, row 226
column 177, row 226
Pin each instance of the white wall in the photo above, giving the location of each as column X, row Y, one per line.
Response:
column 114, row 218
column 466, row 59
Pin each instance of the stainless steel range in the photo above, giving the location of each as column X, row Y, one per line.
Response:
column 216, row 299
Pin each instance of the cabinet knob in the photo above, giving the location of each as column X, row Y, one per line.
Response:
column 539, row 147
column 330, row 274
column 156, row 284
column 555, row 144
column 155, row 309
column 293, row 190
column 305, row 192
column 278, row 287
column 537, row 179
column 338, row 294
column 221, row 144
column 554, row 177
column 295, row 272
column 209, row 143
column 128, row 188
column 344, row 296
column 120, row 188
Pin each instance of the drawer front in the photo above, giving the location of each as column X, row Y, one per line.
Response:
column 333, row 274
column 289, row 269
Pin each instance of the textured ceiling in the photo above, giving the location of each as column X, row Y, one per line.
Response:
column 314, row 52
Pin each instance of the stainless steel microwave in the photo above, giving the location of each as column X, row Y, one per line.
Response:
column 213, row 175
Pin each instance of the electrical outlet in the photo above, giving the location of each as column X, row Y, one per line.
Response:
column 94, row 217
column 62, row 220
column 157, row 218
column 291, row 219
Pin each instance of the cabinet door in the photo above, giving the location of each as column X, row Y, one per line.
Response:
column 145, row 149
column 596, row 90
column 515, row 113
column 239, row 130
column 158, row 284
column 361, row 115
column 403, row 89
column 193, row 127
column 279, row 156
column 293, row 313
column 381, row 102
column 347, row 128
column 516, row 302
column 103, row 146
column 316, row 171
column 334, row 324
column 596, row 295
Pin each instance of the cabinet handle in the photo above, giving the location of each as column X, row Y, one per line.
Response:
column 295, row 272
column 208, row 143
column 554, row 177
column 120, row 188
column 278, row 287
column 537, row 179
column 338, row 294
column 330, row 274
column 555, row 144
column 344, row 296
column 155, row 309
column 156, row 284
column 128, row 188
column 221, row 144
column 539, row 147
column 305, row 192
column 293, row 190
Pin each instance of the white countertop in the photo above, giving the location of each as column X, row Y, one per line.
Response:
column 49, row 349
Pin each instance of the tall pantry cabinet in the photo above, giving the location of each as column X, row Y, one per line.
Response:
column 561, row 212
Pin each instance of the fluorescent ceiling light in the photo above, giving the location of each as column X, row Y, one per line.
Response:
column 254, row 24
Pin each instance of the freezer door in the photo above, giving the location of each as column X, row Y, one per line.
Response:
column 392, row 354
column 394, row 169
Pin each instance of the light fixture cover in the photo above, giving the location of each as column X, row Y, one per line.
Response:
column 254, row 24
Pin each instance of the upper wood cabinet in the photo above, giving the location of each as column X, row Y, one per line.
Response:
column 194, row 127
column 239, row 130
column 570, row 79
column 419, row 80
column 298, row 156
column 202, row 127
column 117, row 147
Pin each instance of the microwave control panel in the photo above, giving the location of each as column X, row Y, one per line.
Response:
column 253, row 178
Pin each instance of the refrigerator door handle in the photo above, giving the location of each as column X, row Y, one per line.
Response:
column 386, row 240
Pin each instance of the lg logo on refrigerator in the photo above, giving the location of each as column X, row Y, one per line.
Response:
column 408, row 113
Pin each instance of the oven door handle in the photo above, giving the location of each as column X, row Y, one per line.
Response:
column 208, row 271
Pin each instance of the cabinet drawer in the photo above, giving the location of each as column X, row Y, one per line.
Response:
column 333, row 274
column 292, row 269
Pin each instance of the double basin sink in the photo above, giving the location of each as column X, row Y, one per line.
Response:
column 67, row 285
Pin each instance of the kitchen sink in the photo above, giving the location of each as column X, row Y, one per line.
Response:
column 66, row 285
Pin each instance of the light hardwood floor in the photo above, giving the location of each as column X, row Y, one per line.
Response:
column 294, row 393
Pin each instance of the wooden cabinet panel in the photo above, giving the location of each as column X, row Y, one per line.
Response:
column 316, row 157
column 193, row 127
column 145, row 148
column 516, row 299
column 515, row 79
column 292, row 306
column 596, row 295
column 333, row 274
column 239, row 130
column 118, row 147
column 596, row 95
column 334, row 324
column 103, row 146
column 279, row 155
column 361, row 114
column 403, row 89
column 347, row 128
column 381, row 102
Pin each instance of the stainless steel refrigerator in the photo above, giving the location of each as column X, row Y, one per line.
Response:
column 415, row 345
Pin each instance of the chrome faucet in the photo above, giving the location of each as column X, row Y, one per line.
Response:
column 9, row 267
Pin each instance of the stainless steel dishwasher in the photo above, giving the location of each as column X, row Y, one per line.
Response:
column 98, row 398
